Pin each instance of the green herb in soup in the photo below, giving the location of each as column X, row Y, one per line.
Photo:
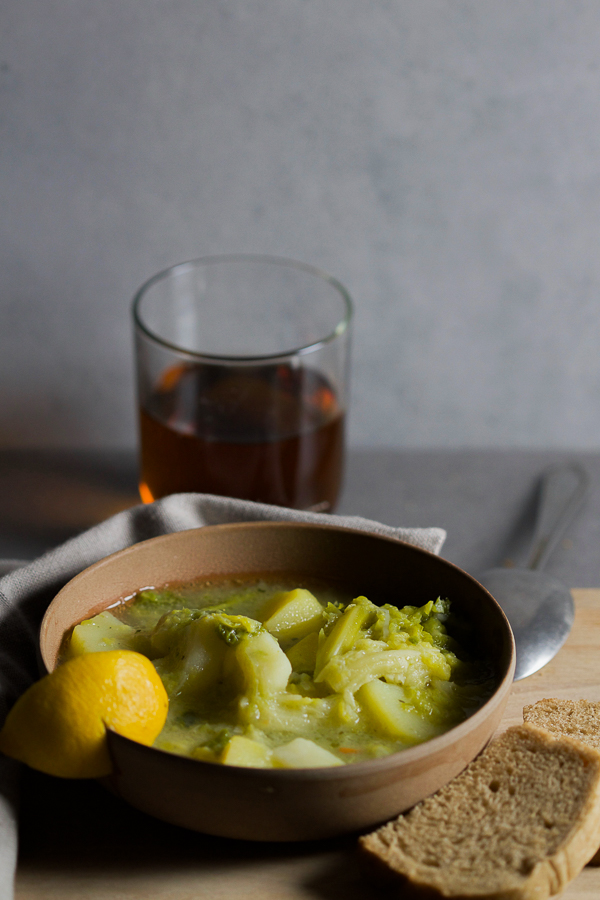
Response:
column 269, row 674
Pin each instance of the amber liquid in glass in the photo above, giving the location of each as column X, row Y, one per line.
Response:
column 269, row 433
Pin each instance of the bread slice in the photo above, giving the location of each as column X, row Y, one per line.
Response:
column 519, row 823
column 579, row 719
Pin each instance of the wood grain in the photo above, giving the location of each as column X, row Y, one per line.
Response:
column 95, row 848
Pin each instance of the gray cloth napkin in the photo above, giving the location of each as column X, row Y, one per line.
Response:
column 26, row 593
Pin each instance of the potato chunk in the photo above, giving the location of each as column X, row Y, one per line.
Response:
column 102, row 632
column 265, row 667
column 303, row 754
column 292, row 614
column 243, row 751
column 384, row 704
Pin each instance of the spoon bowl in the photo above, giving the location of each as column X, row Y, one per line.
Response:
column 540, row 610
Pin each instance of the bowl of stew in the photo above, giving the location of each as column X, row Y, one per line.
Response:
column 320, row 679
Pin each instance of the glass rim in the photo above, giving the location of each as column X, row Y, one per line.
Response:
column 342, row 326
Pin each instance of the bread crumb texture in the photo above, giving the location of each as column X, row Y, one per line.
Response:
column 520, row 822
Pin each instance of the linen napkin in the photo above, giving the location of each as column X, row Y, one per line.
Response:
column 26, row 593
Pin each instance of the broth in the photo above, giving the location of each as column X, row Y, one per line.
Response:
column 284, row 673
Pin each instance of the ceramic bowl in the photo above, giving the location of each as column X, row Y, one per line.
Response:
column 290, row 804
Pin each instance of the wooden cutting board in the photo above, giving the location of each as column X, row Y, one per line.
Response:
column 79, row 843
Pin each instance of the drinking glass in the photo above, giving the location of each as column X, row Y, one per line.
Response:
column 242, row 374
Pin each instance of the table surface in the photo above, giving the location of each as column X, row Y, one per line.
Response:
column 484, row 499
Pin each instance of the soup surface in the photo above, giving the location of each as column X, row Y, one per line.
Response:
column 282, row 674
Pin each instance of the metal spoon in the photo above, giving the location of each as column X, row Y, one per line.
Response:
column 539, row 607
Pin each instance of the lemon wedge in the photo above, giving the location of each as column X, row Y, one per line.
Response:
column 59, row 724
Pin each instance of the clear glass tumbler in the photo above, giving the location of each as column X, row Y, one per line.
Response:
column 242, row 374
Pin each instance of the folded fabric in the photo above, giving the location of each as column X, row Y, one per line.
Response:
column 26, row 593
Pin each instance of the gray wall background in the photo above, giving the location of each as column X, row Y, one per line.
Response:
column 440, row 157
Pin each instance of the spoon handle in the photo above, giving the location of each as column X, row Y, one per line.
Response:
column 564, row 490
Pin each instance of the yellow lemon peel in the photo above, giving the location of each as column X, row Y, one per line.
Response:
column 59, row 724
